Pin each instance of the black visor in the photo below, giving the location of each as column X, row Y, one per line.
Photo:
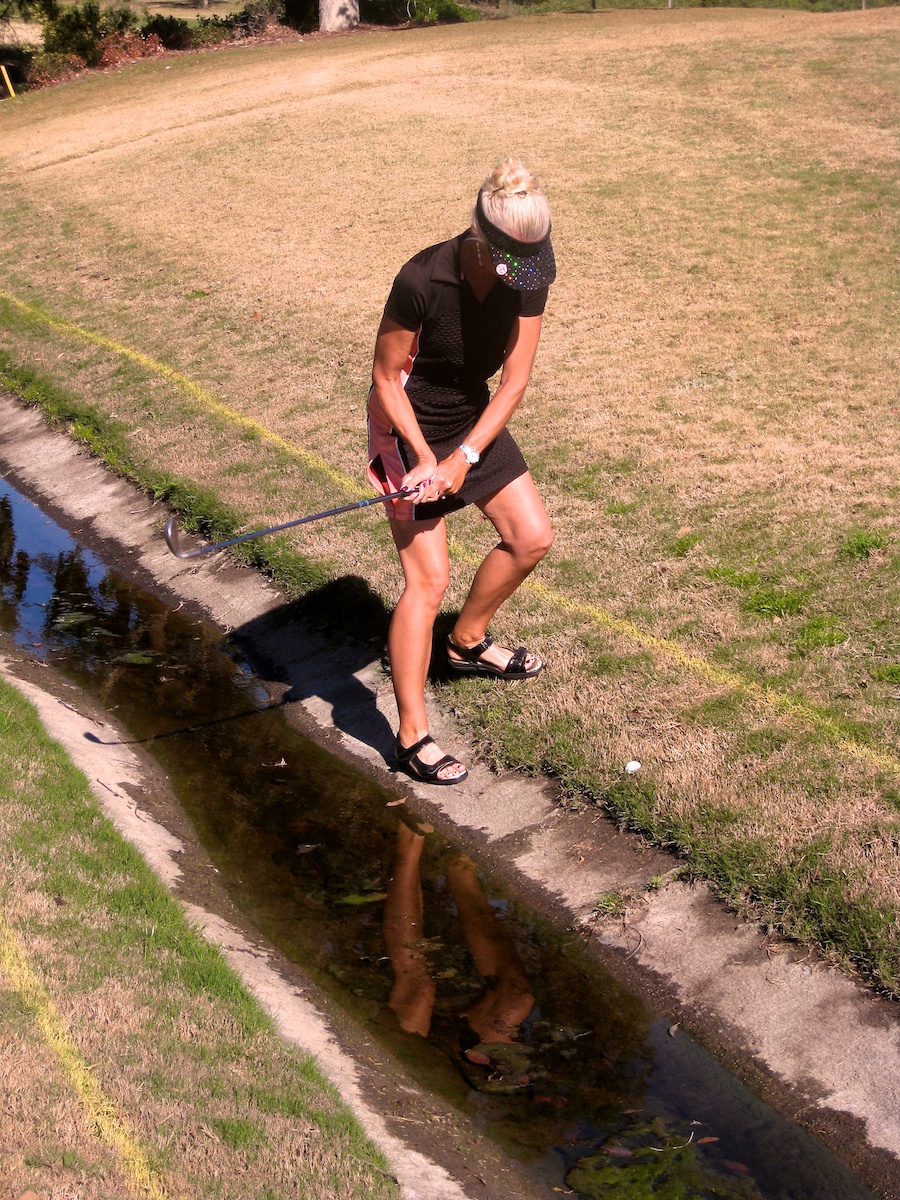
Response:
column 527, row 266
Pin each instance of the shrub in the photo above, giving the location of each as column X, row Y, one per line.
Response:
column 45, row 69
column 385, row 12
column 212, row 30
column 126, row 47
column 304, row 14
column 81, row 29
column 257, row 16
column 443, row 12
column 173, row 32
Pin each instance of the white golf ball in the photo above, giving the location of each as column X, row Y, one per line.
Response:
column 633, row 766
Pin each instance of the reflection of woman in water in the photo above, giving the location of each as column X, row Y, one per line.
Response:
column 493, row 1021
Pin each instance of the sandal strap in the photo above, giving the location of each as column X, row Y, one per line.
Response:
column 471, row 654
column 516, row 664
column 432, row 770
column 406, row 753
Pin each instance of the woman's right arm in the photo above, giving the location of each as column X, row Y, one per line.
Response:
column 393, row 347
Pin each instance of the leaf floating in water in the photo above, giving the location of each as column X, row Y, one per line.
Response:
column 372, row 898
column 134, row 660
column 394, row 803
column 673, row 1029
column 73, row 620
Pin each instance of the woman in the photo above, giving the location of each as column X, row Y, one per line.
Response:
column 457, row 313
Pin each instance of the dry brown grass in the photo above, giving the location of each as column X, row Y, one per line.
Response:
column 712, row 415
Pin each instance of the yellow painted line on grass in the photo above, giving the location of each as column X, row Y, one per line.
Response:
column 195, row 390
column 766, row 696
column 110, row 1126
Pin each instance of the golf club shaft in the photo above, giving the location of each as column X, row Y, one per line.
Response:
column 171, row 532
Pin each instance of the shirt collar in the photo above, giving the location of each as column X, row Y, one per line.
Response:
column 447, row 268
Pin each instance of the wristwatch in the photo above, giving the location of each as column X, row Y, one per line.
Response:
column 470, row 454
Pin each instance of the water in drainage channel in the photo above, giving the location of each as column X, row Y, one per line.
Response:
column 585, row 1086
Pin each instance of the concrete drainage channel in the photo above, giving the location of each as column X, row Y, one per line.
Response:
column 621, row 1009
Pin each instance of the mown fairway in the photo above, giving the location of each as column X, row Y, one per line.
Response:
column 712, row 420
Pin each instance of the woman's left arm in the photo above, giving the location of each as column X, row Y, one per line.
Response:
column 514, row 377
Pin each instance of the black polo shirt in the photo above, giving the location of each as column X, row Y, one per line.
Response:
column 461, row 341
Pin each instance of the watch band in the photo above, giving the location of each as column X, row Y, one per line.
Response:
column 470, row 454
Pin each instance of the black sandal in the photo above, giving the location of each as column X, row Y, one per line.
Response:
column 408, row 760
column 469, row 661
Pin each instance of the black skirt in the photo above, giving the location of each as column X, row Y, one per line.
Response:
column 500, row 464
column 446, row 413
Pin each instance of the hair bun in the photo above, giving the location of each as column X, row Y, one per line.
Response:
column 511, row 177
column 512, row 200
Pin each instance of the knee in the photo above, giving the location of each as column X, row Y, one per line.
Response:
column 545, row 543
column 534, row 544
column 429, row 590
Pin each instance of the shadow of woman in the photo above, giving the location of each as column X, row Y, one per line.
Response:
column 319, row 645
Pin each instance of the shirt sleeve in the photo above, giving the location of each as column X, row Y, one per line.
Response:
column 407, row 302
column 534, row 303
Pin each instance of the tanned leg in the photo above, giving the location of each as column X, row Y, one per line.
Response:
column 519, row 516
column 508, row 999
column 422, row 546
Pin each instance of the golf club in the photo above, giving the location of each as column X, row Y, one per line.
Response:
column 171, row 530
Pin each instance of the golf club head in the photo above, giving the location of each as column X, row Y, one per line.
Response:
column 171, row 536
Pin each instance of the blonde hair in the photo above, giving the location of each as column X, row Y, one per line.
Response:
column 511, row 199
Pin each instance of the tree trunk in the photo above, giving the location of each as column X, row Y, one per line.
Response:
column 335, row 15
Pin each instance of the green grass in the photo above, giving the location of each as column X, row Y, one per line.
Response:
column 201, row 510
column 171, row 1032
column 860, row 544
